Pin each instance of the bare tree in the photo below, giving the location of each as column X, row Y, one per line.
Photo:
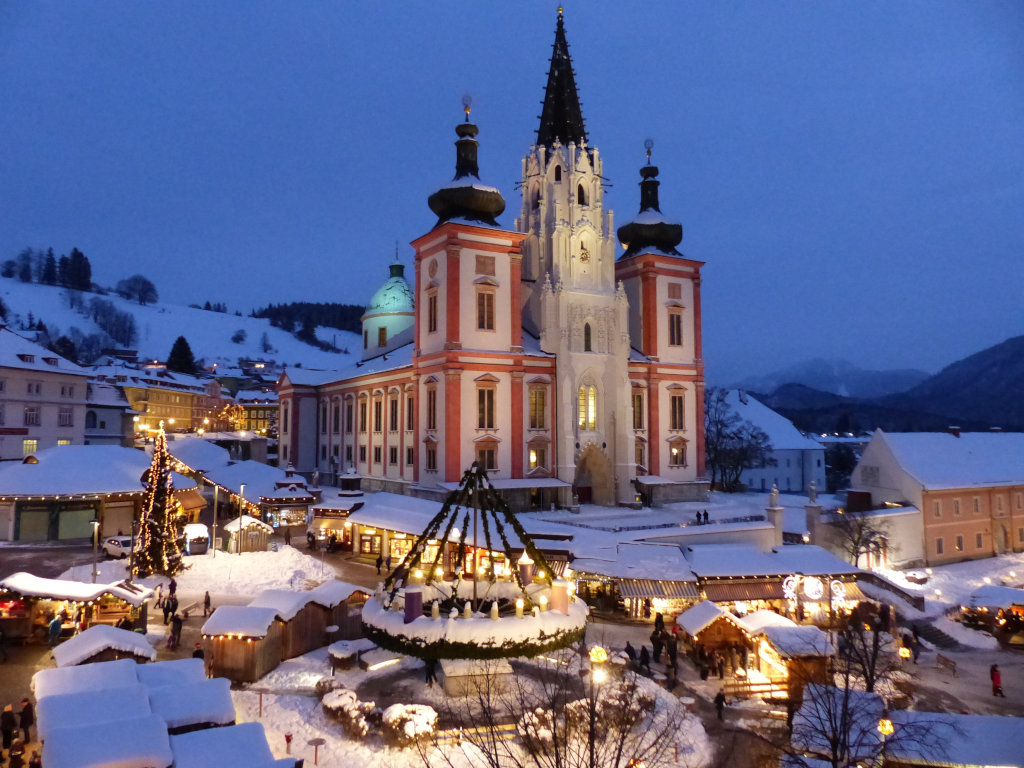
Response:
column 562, row 718
column 732, row 444
column 857, row 533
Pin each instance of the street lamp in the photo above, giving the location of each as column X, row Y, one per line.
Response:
column 598, row 656
column 95, row 523
column 885, row 728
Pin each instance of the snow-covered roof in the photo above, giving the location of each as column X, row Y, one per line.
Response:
column 340, row 501
column 510, row 483
column 334, row 592
column 198, row 454
column 285, row 602
column 196, row 531
column 400, row 357
column 241, row 620
column 19, row 352
column 941, row 460
column 822, row 704
column 259, row 479
column 86, row 677
column 395, row 296
column 202, row 701
column 796, row 641
column 957, row 740
column 106, row 396
column 98, row 638
column 91, row 706
column 29, row 585
column 759, row 620
column 242, row 744
column 780, row 430
column 641, row 561
column 811, row 560
column 245, row 521
column 174, row 672
column 703, row 614
column 994, row 596
column 711, row 560
column 140, row 742
column 74, row 470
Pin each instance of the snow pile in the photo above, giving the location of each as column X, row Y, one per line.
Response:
column 99, row 638
column 972, row 638
column 354, row 715
column 406, row 724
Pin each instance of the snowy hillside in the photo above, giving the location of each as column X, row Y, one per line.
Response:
column 209, row 334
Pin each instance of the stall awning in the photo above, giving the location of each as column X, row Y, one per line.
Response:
column 190, row 499
column 329, row 523
column 671, row 590
column 731, row 591
column 852, row 591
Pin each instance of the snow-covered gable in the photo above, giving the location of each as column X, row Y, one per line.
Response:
column 195, row 703
column 240, row 620
column 941, row 460
column 694, row 620
column 29, row 585
column 19, row 352
column 244, row 521
column 780, row 430
column 335, row 592
column 759, row 620
column 91, row 706
column 98, row 638
column 141, row 742
column 197, row 454
column 87, row 677
column 73, row 470
column 957, row 740
column 242, row 744
column 797, row 641
column 994, row 596
column 285, row 602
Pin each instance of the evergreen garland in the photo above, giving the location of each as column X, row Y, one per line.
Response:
column 161, row 525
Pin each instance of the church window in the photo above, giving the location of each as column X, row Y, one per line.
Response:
column 581, row 195
column 382, row 337
column 431, row 459
column 558, row 174
column 362, row 454
column 376, row 454
column 336, row 419
column 393, row 455
column 587, row 345
column 348, row 418
column 284, row 418
column 677, row 418
column 362, row 416
column 410, row 456
column 378, row 407
column 485, row 310
column 538, row 457
column 410, row 412
column 90, row 420
column 638, row 411
column 538, row 408
column 588, row 408
column 431, row 408
column 675, row 291
column 323, row 418
column 487, row 455
column 393, row 414
column 639, row 454
column 485, row 408
column 677, row 453
column 348, row 453
column 431, row 312
column 675, row 328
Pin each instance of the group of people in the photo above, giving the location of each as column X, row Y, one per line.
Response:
column 661, row 640
column 702, row 517
column 169, row 604
column 381, row 560
column 16, row 733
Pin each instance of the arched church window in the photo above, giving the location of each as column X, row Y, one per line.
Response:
column 90, row 419
column 558, row 173
column 587, row 347
column 581, row 195
column 588, row 408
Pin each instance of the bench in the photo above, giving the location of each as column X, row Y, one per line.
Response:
column 945, row 661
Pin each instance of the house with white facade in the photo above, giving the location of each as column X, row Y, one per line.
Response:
column 568, row 373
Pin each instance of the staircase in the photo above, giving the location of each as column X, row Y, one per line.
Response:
column 934, row 635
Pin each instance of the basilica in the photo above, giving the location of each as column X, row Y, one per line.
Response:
column 572, row 375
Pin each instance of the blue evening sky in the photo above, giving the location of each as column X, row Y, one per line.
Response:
column 852, row 173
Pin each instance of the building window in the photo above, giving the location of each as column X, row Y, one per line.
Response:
column 28, row 447
column 323, row 453
column 378, row 416
column 431, row 409
column 977, row 506
column 31, row 415
column 1, row 414
column 3, row 384
column 431, row 312
column 978, row 540
column 676, row 420
column 362, row 416
column 35, row 387
column 348, row 418
column 940, row 546
column 487, row 455
column 336, row 419
column 348, row 454
column 63, row 442
column 410, row 411
column 675, row 328
column 675, row 291
column 65, row 416
column 538, row 408
column 410, row 456
column 587, row 341
column 638, row 411
column 382, row 337
column 959, row 543
column 956, row 507
column 284, row 419
column 67, row 390
column 588, row 408
column 431, row 458
column 538, row 457
column 485, row 310
column 323, row 419
column 393, row 415
column 366, row 339
column 581, row 195
column 558, row 174
column 1020, row 535
column 938, row 509
column 639, row 454
column 485, row 408
column 677, row 453
column 362, row 454
column 393, row 455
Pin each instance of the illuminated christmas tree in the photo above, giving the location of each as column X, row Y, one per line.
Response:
column 161, row 525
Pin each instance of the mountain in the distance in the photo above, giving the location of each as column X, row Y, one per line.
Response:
column 837, row 377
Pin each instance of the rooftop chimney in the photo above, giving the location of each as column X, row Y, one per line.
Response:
column 954, row 431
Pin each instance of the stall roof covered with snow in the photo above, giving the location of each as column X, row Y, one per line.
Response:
column 201, row 703
column 724, row 560
column 28, row 585
column 240, row 621
column 285, row 602
column 86, row 677
column 994, row 596
column 958, row 740
column 141, row 742
column 242, row 744
column 334, row 592
column 99, row 639
column 698, row 618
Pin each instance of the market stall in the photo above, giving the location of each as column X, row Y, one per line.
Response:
column 330, row 517
column 303, row 624
column 342, row 606
column 247, row 534
column 101, row 642
column 242, row 643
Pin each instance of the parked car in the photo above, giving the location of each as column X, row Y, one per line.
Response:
column 118, row 546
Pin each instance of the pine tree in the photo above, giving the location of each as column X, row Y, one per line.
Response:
column 50, row 269
column 181, row 358
column 161, row 525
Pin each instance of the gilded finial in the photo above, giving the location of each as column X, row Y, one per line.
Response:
column 648, row 145
column 467, row 104
column 559, row 10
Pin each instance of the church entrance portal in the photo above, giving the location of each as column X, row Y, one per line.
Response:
column 595, row 481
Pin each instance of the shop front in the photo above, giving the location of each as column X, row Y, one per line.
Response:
column 55, row 520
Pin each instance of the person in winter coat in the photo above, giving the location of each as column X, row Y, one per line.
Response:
column 720, row 702
column 656, row 646
column 26, row 719
column 207, row 604
column 672, row 649
column 430, row 668
column 198, row 653
column 631, row 653
column 645, row 659
column 175, row 639
column 16, row 756
column 997, row 681
column 8, row 726
column 659, row 623
column 172, row 587
column 380, row 562
column 55, row 627
column 159, row 596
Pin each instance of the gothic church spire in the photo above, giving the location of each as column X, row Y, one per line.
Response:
column 562, row 116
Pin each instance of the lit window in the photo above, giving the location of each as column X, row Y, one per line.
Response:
column 28, row 447
column 538, row 408
column 538, row 457
column 959, row 543
column 638, row 411
column 63, row 442
column 677, row 453
column 588, row 408
column 485, row 310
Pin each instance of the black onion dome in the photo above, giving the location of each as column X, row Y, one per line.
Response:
column 561, row 118
column 466, row 197
column 650, row 229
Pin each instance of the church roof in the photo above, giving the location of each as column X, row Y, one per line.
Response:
column 650, row 230
column 562, row 116
column 395, row 296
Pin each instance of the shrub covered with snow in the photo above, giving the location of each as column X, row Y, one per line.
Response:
column 327, row 684
column 354, row 715
column 406, row 724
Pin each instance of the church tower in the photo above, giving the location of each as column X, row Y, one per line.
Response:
column 570, row 297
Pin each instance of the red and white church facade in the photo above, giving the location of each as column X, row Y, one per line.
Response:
column 569, row 374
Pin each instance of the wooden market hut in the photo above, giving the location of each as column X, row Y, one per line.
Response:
column 242, row 642
column 798, row 654
column 303, row 624
column 101, row 642
column 342, row 606
column 28, row 603
column 711, row 627
column 247, row 534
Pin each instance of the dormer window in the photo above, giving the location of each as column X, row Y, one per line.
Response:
column 27, row 358
column 50, row 361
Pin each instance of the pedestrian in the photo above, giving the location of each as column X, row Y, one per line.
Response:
column 207, row 604
column 997, row 681
column 159, row 596
column 745, row 655
column 172, row 587
column 387, row 562
column 705, row 517
column 380, row 562
column 35, row 761
column 672, row 649
column 659, row 623
column 721, row 667
column 287, row 535
column 26, row 719
column 16, row 757
column 631, row 653
column 720, row 702
column 645, row 659
column 173, row 599
column 56, row 625
column 198, row 652
column 656, row 646
column 8, row 726
column 672, row 679
column 430, row 666
column 176, row 624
